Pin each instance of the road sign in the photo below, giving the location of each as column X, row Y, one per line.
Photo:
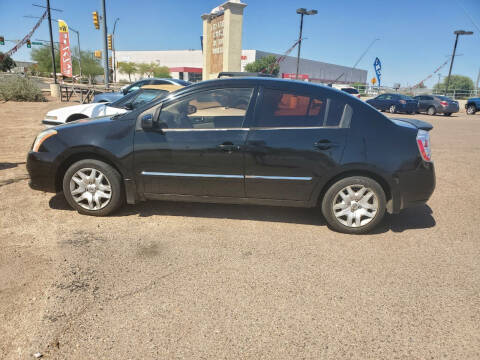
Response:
column 36, row 43
column 373, row 81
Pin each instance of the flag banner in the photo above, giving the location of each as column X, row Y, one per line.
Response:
column 65, row 52
column 377, row 65
column 27, row 37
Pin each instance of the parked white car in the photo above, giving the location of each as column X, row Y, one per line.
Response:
column 123, row 105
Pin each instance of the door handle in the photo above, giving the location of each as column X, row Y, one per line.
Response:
column 228, row 146
column 324, row 144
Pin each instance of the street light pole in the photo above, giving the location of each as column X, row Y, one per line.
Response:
column 302, row 11
column 457, row 33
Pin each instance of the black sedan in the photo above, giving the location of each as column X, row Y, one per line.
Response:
column 245, row 141
column 394, row 103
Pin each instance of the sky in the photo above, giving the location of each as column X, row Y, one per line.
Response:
column 416, row 36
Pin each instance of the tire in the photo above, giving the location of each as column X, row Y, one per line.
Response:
column 392, row 109
column 98, row 197
column 431, row 111
column 447, row 114
column 373, row 202
column 471, row 110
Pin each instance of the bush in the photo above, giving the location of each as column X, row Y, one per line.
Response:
column 16, row 88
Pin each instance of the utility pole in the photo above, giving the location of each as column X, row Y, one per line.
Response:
column 114, row 65
column 457, row 33
column 106, row 72
column 302, row 11
column 52, row 49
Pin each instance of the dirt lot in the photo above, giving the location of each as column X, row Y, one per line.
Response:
column 177, row 280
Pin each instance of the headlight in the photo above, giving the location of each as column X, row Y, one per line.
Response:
column 50, row 117
column 44, row 135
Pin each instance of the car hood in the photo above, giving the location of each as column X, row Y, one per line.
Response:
column 77, row 109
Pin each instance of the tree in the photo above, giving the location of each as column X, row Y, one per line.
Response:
column 457, row 82
column 267, row 65
column 128, row 68
column 162, row 72
column 6, row 62
column 90, row 65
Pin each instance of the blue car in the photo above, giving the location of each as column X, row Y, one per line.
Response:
column 113, row 96
column 394, row 103
column 472, row 105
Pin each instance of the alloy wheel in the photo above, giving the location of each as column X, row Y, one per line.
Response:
column 470, row 110
column 90, row 189
column 393, row 109
column 355, row 205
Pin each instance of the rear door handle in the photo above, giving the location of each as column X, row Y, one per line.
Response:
column 324, row 144
column 228, row 146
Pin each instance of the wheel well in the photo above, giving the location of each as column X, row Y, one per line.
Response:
column 76, row 117
column 383, row 183
column 62, row 169
column 472, row 104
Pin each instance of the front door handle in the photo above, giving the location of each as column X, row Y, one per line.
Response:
column 324, row 144
column 228, row 147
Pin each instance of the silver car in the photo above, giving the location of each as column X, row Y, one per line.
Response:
column 433, row 104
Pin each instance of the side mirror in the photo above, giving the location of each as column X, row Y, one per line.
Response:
column 147, row 122
column 124, row 91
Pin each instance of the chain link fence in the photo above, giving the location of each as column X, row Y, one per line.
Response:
column 456, row 94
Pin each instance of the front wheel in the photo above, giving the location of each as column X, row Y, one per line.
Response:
column 392, row 109
column 93, row 187
column 471, row 109
column 354, row 205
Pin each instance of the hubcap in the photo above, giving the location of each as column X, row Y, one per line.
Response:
column 355, row 205
column 392, row 109
column 90, row 189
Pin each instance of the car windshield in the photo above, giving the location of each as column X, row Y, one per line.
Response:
column 350, row 90
column 444, row 98
column 120, row 103
column 138, row 98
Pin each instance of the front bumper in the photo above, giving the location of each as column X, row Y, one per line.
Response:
column 413, row 188
column 41, row 171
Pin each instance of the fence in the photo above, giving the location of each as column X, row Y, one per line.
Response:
column 457, row 94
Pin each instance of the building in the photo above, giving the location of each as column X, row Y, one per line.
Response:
column 187, row 65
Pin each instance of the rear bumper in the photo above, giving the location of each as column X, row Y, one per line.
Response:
column 41, row 171
column 448, row 109
column 414, row 187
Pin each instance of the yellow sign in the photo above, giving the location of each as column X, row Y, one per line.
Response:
column 62, row 26
column 373, row 81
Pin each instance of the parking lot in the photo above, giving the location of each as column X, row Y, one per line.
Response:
column 172, row 280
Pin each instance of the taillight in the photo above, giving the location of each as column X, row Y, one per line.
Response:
column 443, row 103
column 423, row 142
column 403, row 102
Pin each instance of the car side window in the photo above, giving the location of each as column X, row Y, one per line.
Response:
column 381, row 97
column 212, row 109
column 281, row 108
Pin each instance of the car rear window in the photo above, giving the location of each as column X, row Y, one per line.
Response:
column 288, row 109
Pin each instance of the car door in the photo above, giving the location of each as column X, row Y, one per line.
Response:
column 296, row 138
column 198, row 149
column 421, row 102
column 376, row 102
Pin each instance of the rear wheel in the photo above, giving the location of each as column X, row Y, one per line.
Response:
column 431, row 111
column 354, row 205
column 471, row 109
column 392, row 109
column 93, row 187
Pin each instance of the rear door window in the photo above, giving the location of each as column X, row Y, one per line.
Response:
column 284, row 109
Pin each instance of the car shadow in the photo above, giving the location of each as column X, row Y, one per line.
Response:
column 414, row 218
column 8, row 165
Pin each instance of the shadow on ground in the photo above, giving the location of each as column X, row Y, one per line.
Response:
column 8, row 165
column 414, row 218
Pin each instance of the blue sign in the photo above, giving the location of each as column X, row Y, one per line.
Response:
column 377, row 66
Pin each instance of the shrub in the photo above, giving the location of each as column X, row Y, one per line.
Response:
column 17, row 88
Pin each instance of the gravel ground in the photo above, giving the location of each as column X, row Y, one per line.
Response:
column 164, row 280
